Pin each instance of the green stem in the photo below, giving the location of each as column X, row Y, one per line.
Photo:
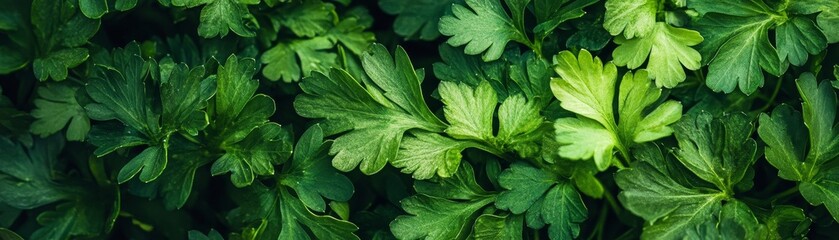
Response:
column 597, row 232
column 771, row 99
column 784, row 194
column 611, row 200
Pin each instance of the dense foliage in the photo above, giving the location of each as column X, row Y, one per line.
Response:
column 419, row 119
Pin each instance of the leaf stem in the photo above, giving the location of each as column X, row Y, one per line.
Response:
column 612, row 202
column 784, row 194
column 771, row 99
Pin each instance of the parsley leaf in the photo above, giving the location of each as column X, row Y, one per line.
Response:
column 310, row 174
column 635, row 18
column 445, row 210
column 416, row 18
column 804, row 147
column 375, row 116
column 218, row 17
column 827, row 19
column 674, row 196
column 668, row 48
column 546, row 199
column 95, row 9
column 737, row 42
column 311, row 178
column 27, row 181
column 252, row 145
column 587, row 87
column 484, row 27
column 55, row 108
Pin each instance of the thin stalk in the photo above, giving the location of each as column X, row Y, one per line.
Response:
column 771, row 99
column 784, row 194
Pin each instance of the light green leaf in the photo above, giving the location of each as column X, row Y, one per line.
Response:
column 461, row 186
column 582, row 138
column 286, row 61
column 635, row 18
column 469, row 111
column 668, row 48
column 586, row 87
column 425, row 155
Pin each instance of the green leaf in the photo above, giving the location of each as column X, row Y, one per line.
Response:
column 785, row 222
column 804, row 149
column 489, row 227
column 376, row 114
column 255, row 155
column 55, row 108
column 459, row 67
column 550, row 14
column 26, row 179
column 30, row 178
column 252, row 145
column 212, row 235
column 416, row 18
column 284, row 216
column 310, row 174
column 218, row 17
column 286, row 61
column 587, row 87
column 671, row 209
column 668, row 49
column 736, row 45
column 827, row 19
column 55, row 64
column 60, row 30
column 461, row 186
column 717, row 150
column 635, row 18
column 483, row 26
column 445, row 209
column 151, row 161
column 469, row 111
column 797, row 39
column 543, row 196
column 93, row 8
column 436, row 218
column 184, row 92
column 308, row 18
column 425, row 155
column 519, row 120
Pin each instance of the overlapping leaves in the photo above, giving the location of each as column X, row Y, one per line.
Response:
column 587, row 88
